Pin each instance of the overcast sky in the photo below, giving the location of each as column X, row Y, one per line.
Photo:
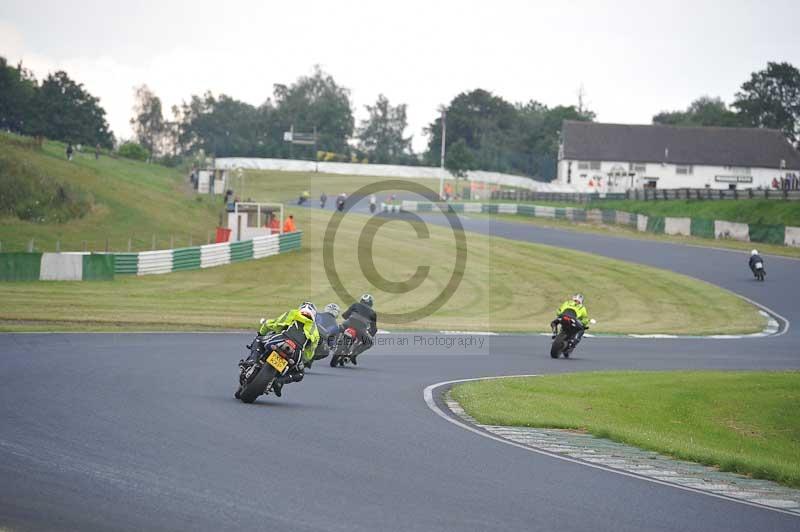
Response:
column 633, row 58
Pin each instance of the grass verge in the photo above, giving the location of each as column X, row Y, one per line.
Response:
column 745, row 422
column 498, row 275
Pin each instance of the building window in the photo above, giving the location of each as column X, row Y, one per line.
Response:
column 638, row 168
column 583, row 176
column 594, row 165
column 583, row 165
column 683, row 170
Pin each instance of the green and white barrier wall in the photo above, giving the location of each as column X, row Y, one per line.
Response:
column 717, row 229
column 104, row 266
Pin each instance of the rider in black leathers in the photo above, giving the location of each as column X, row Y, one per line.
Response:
column 754, row 258
column 364, row 320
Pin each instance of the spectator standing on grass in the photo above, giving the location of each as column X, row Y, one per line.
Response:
column 69, row 151
column 97, row 152
column 775, row 182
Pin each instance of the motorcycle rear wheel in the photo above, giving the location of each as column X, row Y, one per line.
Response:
column 257, row 384
column 558, row 345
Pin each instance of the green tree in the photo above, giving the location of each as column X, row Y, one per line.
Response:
column 67, row 112
column 148, row 123
column 381, row 135
column 459, row 159
column 17, row 92
column 316, row 101
column 771, row 98
column 518, row 139
column 221, row 126
column 704, row 111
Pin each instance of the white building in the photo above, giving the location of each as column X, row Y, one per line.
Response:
column 602, row 158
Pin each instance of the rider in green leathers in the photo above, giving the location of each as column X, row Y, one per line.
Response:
column 302, row 316
column 575, row 304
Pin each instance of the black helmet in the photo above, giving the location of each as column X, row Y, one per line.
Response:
column 367, row 300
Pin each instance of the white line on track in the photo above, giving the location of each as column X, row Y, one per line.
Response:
column 431, row 402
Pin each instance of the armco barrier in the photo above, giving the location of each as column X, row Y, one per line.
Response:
column 153, row 262
column 290, row 241
column 61, row 267
column 76, row 266
column 678, row 226
column 641, row 223
column 185, row 259
column 264, row 246
column 731, row 230
column 215, row 255
column 20, row 266
column 99, row 267
column 104, row 266
column 126, row 263
column 655, row 224
column 702, row 228
column 771, row 234
column 792, row 236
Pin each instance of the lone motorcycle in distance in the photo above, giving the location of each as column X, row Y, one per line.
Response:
column 567, row 337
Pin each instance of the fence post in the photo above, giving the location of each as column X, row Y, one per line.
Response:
column 58, row 246
column 171, row 241
column 154, row 242
column 30, row 246
column 129, row 244
column 190, row 240
column 107, row 247
column 208, row 237
column 84, row 245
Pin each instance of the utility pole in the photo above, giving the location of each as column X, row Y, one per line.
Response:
column 444, row 136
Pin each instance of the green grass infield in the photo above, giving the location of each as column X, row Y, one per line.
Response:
column 744, row 422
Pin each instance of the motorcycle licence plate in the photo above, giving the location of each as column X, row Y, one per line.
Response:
column 759, row 265
column 277, row 362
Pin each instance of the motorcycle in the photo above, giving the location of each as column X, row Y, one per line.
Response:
column 271, row 356
column 372, row 207
column 759, row 271
column 565, row 339
column 346, row 346
column 322, row 201
column 301, row 200
column 340, row 204
column 328, row 337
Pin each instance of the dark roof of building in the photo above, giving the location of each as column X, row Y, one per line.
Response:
column 714, row 146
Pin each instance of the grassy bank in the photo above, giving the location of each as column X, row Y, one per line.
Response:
column 746, row 422
column 498, row 275
column 129, row 199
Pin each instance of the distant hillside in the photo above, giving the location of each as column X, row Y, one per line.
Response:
column 45, row 197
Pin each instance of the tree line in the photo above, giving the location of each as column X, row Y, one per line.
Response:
column 483, row 131
column 57, row 108
column 769, row 99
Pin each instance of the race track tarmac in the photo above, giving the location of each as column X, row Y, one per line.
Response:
column 141, row 431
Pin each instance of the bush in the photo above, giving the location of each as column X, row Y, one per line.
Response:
column 37, row 198
column 131, row 150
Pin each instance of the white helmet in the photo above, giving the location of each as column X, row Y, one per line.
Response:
column 367, row 300
column 578, row 298
column 308, row 310
column 332, row 309
column 754, row 252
